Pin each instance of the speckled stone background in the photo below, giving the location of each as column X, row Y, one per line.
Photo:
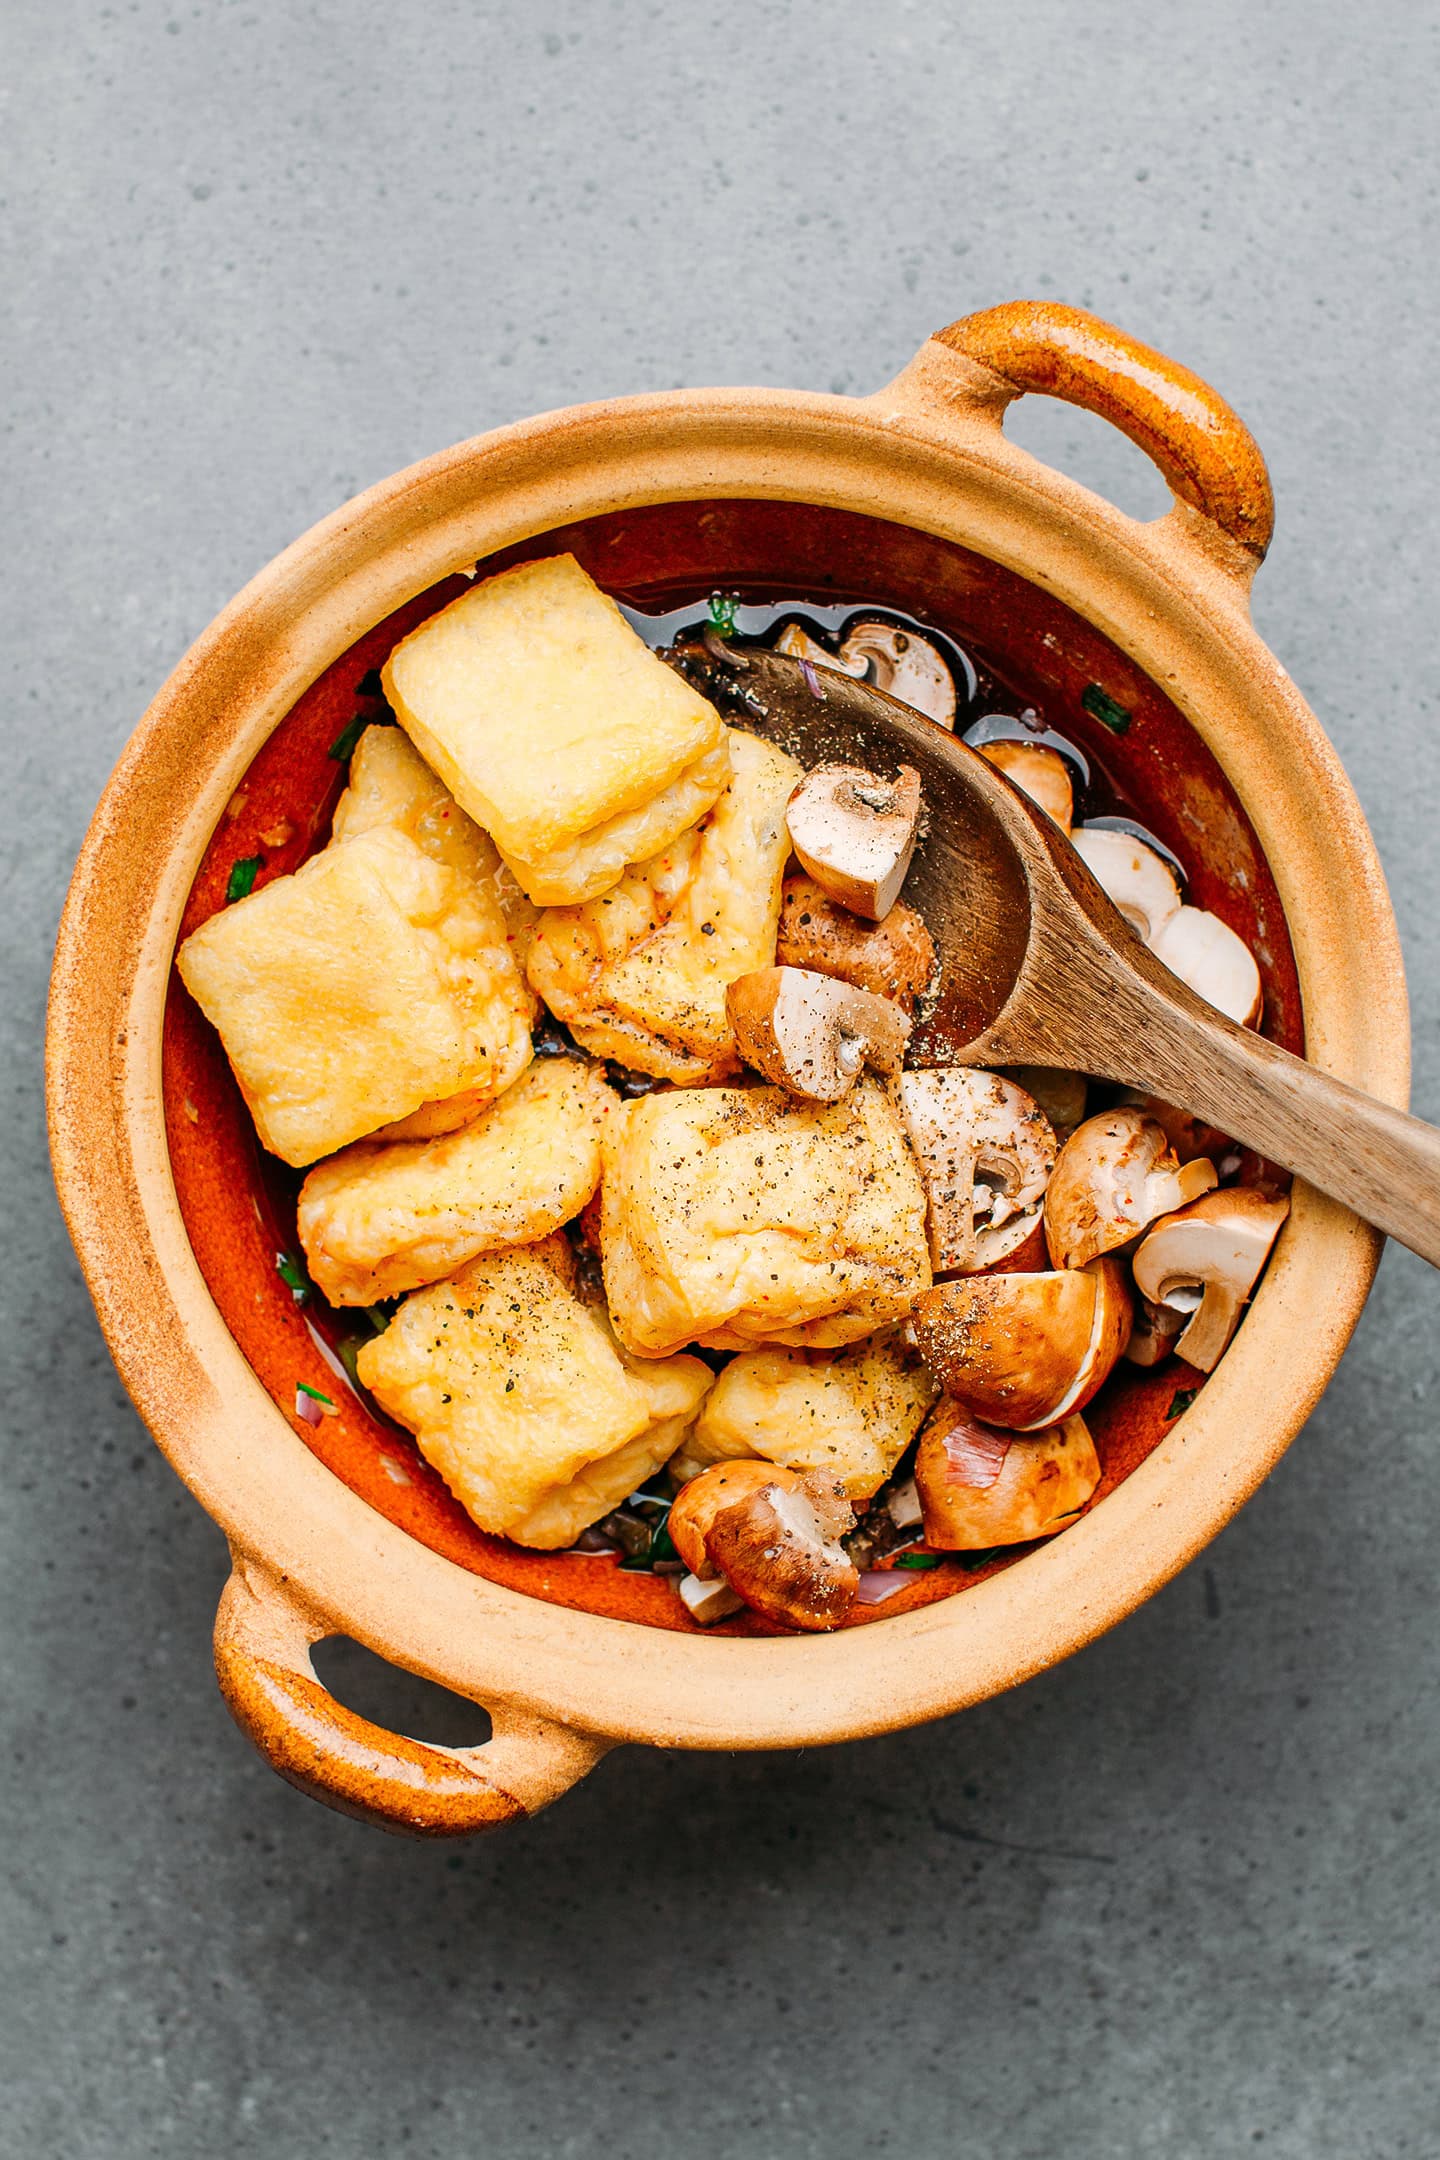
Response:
column 1174, row 1899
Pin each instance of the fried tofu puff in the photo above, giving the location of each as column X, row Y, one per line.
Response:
column 391, row 785
column 732, row 1217
column 554, row 725
column 849, row 1413
column 377, row 1220
column 349, row 994
column 640, row 974
column 518, row 1396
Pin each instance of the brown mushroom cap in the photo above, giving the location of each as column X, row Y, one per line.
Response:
column 1212, row 961
column 855, row 833
column 1113, row 1177
column 1039, row 772
column 980, row 1488
column 778, row 1548
column 701, row 1500
column 1202, row 1263
column 894, row 959
column 1025, row 1351
column 985, row 1150
column 812, row 1033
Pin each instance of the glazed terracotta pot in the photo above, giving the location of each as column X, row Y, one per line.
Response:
column 913, row 499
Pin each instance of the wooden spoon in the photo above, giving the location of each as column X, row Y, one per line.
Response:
column 1039, row 968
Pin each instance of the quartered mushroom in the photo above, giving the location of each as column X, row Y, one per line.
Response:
column 986, row 1151
column 813, row 1034
column 894, row 959
column 1039, row 772
column 1025, row 1351
column 1140, row 882
column 1212, row 961
column 709, row 1601
column 979, row 1487
column 1202, row 1263
column 773, row 1536
column 855, row 833
column 1187, row 1134
column 1154, row 1333
column 1114, row 1176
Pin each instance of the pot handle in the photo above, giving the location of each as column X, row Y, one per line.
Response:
column 1208, row 456
column 263, row 1639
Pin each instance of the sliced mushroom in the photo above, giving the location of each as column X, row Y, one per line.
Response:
column 1039, row 772
column 1060, row 1094
column 780, row 1549
column 1025, row 1351
column 1212, row 961
column 1153, row 1336
column 855, row 833
column 902, row 664
column 893, row 959
column 1141, row 883
column 979, row 1487
column 985, row 1150
column 902, row 1505
column 708, row 1601
column 811, row 1033
column 1113, row 1177
column 701, row 1499
column 800, row 645
column 1187, row 1134
column 1203, row 1262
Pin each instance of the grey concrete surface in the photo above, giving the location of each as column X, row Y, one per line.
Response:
column 1173, row 1899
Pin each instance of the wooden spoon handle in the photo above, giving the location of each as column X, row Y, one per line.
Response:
column 1378, row 1161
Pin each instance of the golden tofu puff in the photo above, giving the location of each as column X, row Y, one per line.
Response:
column 640, row 974
column 850, row 1413
column 554, row 725
column 518, row 1397
column 732, row 1217
column 390, row 784
column 377, row 1220
column 356, row 990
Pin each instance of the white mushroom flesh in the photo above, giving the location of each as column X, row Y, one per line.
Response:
column 904, row 665
column 1212, row 961
column 1039, row 772
column 1202, row 1264
column 986, row 1151
column 799, row 645
column 1115, row 1175
column 855, row 833
column 813, row 1033
column 707, row 1601
column 1141, row 883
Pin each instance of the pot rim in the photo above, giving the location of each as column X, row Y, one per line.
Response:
column 926, row 451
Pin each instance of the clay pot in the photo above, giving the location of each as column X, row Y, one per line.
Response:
column 911, row 499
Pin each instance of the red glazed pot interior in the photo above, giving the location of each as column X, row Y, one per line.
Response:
column 238, row 1205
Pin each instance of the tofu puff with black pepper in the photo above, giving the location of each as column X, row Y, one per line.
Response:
column 379, row 1220
column 732, row 1217
column 640, row 973
column 554, row 725
column 519, row 1396
column 849, row 1413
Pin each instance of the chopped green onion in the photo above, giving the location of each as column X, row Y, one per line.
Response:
column 314, row 1394
column 1181, row 1401
column 293, row 1275
column 916, row 1560
column 1104, row 708
column 722, row 613
column 344, row 744
column 242, row 878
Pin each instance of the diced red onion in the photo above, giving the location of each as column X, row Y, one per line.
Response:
column 308, row 1408
column 877, row 1584
column 812, row 680
column 975, row 1454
